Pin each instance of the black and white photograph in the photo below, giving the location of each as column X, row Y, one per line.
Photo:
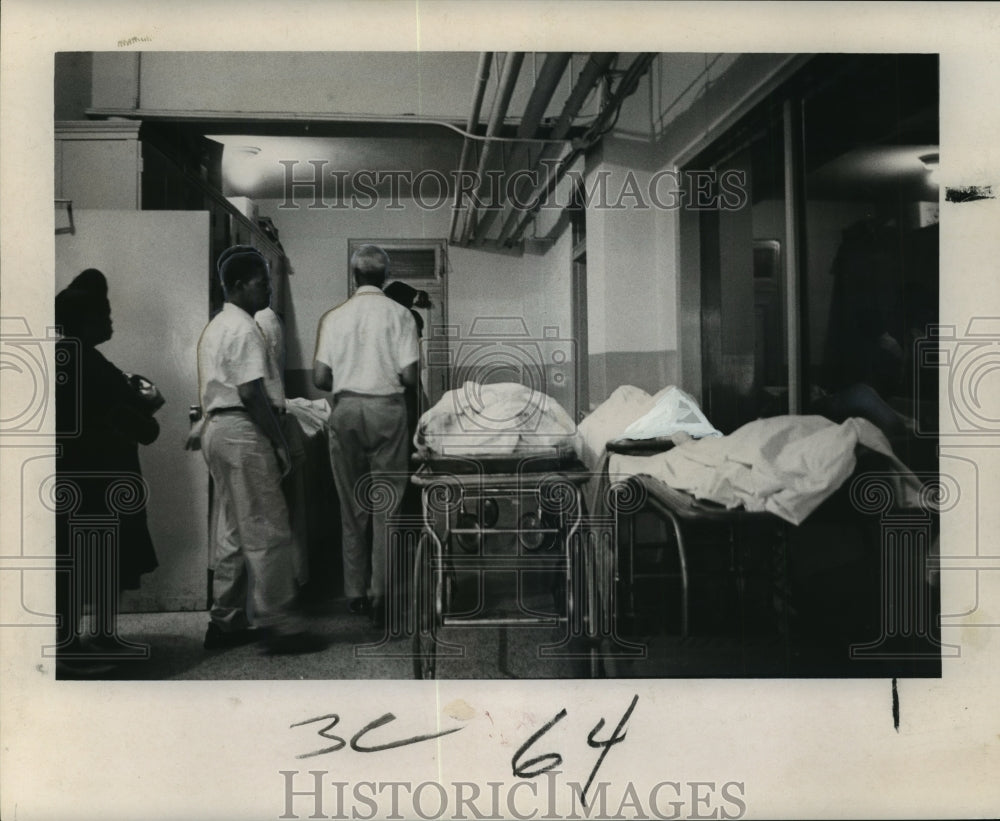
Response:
column 664, row 402
column 398, row 424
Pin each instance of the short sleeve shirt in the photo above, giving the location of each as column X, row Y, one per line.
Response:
column 274, row 335
column 367, row 342
column 231, row 352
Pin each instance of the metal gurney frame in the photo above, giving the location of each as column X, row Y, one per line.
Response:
column 553, row 485
column 679, row 508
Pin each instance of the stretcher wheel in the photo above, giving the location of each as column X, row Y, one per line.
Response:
column 531, row 531
column 426, row 601
column 469, row 542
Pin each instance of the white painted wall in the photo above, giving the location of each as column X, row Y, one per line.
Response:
column 628, row 309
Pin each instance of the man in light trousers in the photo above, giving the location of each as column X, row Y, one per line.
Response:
column 247, row 456
column 366, row 354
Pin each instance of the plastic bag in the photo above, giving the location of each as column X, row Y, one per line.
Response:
column 674, row 412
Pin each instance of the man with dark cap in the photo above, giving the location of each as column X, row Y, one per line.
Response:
column 247, row 456
column 366, row 354
column 409, row 297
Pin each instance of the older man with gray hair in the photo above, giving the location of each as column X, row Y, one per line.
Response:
column 366, row 355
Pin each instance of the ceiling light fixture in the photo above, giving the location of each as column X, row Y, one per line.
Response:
column 241, row 169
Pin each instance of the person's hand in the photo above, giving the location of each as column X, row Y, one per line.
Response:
column 284, row 460
column 152, row 395
column 149, row 393
column 193, row 441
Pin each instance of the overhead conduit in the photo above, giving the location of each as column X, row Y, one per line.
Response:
column 482, row 78
column 605, row 121
column 551, row 73
column 508, row 80
column 594, row 69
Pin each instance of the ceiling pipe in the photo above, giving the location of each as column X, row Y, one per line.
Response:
column 596, row 66
column 508, row 80
column 626, row 86
column 482, row 78
column 549, row 76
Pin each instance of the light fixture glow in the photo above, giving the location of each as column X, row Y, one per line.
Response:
column 241, row 168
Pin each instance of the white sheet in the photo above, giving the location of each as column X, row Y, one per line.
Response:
column 608, row 420
column 503, row 418
column 787, row 465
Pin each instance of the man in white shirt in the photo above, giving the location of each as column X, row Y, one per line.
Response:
column 366, row 354
column 242, row 398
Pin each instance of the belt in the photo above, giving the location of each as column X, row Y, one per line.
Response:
column 357, row 395
column 240, row 409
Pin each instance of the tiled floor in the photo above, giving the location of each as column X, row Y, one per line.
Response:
column 356, row 650
column 727, row 640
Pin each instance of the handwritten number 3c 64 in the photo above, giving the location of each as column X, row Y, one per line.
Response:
column 530, row 768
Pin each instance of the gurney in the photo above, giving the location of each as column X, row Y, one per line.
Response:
column 640, row 493
column 501, row 491
column 762, row 481
column 519, row 513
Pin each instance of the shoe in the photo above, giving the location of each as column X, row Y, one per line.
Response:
column 217, row 639
column 293, row 644
column 360, row 607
